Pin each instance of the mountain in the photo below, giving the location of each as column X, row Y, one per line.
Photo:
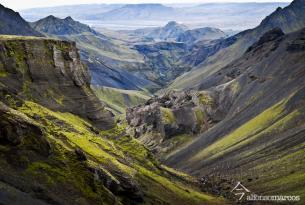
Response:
column 60, row 145
column 246, row 124
column 136, row 12
column 235, row 16
column 168, row 52
column 110, row 61
column 56, row 26
column 12, row 23
column 289, row 19
column 259, row 138
column 170, row 31
column 174, row 31
column 200, row 34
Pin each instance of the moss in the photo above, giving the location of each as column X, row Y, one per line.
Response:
column 17, row 51
column 58, row 99
column 200, row 116
column 205, row 99
column 176, row 143
column 169, row 191
column 118, row 99
column 235, row 87
column 110, row 148
column 63, row 46
column 11, row 101
column 250, row 128
column 168, row 116
column 178, row 173
column 3, row 73
column 26, row 90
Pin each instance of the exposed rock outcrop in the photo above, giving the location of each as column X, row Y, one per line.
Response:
column 55, row 78
column 178, row 113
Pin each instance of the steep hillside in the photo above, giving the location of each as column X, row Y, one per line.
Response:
column 260, row 139
column 12, row 23
column 163, row 59
column 289, row 19
column 51, row 145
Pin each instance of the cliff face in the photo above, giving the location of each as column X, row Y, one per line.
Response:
column 50, row 73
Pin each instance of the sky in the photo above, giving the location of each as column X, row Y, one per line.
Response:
column 24, row 4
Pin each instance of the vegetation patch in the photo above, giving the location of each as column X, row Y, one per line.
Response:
column 250, row 128
column 110, row 150
column 168, row 116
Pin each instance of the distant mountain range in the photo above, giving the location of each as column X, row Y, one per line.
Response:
column 136, row 12
column 236, row 16
column 178, row 32
column 289, row 19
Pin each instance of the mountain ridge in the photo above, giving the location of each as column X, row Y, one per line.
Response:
column 289, row 19
column 12, row 23
column 57, row 26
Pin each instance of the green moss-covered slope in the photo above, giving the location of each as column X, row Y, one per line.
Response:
column 118, row 100
column 60, row 153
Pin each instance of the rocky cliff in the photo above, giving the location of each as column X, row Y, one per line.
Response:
column 50, row 73
column 166, row 123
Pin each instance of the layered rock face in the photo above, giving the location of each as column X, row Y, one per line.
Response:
column 50, row 72
column 164, row 118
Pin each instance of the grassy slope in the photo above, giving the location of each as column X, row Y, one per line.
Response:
column 108, row 149
column 118, row 99
column 266, row 167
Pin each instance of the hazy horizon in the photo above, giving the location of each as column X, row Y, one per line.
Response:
column 17, row 5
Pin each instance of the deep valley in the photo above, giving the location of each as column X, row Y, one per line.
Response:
column 178, row 113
